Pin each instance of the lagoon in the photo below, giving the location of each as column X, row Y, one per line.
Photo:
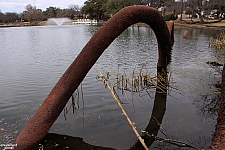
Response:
column 34, row 58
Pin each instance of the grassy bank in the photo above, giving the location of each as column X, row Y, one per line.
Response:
column 186, row 23
column 195, row 24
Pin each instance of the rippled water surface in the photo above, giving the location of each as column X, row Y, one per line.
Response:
column 34, row 58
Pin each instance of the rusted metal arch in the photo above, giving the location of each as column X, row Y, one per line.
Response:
column 52, row 106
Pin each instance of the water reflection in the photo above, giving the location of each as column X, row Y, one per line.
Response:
column 34, row 58
column 158, row 111
column 134, row 46
column 54, row 141
column 208, row 106
column 150, row 134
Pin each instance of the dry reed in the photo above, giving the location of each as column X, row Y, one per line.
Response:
column 219, row 42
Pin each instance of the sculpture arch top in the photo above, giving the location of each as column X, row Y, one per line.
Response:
column 127, row 17
column 52, row 106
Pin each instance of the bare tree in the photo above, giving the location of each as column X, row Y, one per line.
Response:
column 29, row 13
column 2, row 17
column 74, row 10
column 11, row 17
column 181, row 9
column 218, row 6
column 197, row 6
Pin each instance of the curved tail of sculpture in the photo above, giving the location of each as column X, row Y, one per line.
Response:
column 52, row 106
column 170, row 25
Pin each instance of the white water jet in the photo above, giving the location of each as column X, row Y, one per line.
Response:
column 58, row 21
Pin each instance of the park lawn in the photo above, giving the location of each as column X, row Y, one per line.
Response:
column 198, row 25
column 219, row 24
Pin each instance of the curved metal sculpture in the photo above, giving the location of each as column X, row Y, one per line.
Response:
column 52, row 106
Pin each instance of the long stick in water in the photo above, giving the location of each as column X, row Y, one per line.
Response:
column 123, row 111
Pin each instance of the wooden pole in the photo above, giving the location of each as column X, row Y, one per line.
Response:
column 123, row 111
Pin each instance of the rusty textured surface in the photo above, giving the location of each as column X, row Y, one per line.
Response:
column 218, row 140
column 52, row 106
column 170, row 25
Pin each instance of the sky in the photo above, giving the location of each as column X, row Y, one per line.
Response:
column 19, row 5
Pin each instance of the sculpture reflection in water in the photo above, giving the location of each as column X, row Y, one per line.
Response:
column 158, row 110
column 151, row 130
column 54, row 141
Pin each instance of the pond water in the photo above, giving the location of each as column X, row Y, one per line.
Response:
column 34, row 58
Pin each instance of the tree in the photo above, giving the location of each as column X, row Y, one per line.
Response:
column 50, row 12
column 197, row 6
column 188, row 12
column 11, row 17
column 170, row 5
column 38, row 15
column 95, row 8
column 74, row 10
column 218, row 6
column 59, row 13
column 32, row 14
column 114, row 6
column 27, row 14
column 181, row 8
column 156, row 3
column 53, row 12
column 2, row 17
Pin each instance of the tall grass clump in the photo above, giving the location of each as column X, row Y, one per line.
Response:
column 219, row 42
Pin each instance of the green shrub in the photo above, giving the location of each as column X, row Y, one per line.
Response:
column 107, row 16
column 170, row 17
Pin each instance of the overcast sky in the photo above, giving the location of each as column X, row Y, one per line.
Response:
column 18, row 5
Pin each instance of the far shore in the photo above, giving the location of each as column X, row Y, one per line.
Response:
column 220, row 26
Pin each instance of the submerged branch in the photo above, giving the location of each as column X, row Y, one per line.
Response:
column 167, row 139
column 124, row 113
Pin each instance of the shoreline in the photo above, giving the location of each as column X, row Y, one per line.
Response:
column 201, row 26
column 176, row 23
column 195, row 26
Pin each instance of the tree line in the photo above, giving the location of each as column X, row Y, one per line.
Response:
column 104, row 9
column 32, row 14
column 204, row 8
